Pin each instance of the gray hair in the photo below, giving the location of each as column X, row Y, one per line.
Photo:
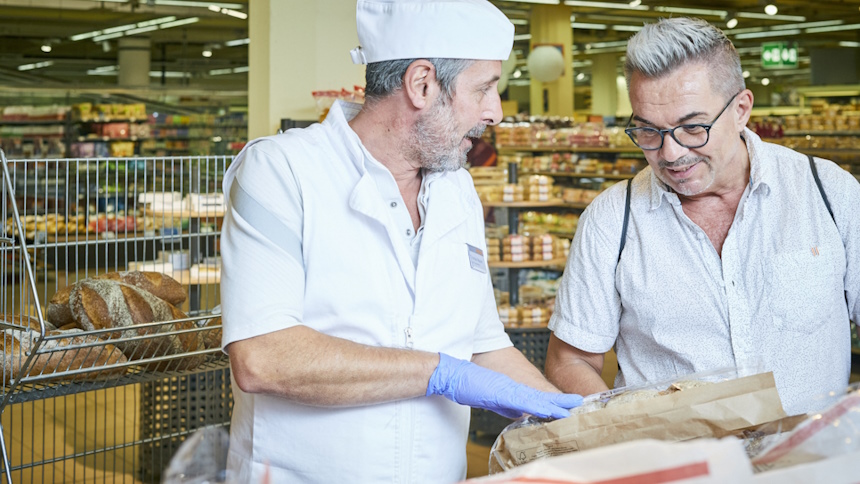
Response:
column 386, row 77
column 660, row 48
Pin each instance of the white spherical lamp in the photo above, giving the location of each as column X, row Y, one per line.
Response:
column 503, row 82
column 509, row 65
column 546, row 63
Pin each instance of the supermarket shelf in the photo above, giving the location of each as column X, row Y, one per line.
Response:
column 506, row 150
column 109, row 119
column 84, row 139
column 524, row 204
column 820, row 133
column 184, row 214
column 608, row 176
column 527, row 264
column 40, row 122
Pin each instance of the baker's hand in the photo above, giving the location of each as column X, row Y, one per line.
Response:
column 469, row 384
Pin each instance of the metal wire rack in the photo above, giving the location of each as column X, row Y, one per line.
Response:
column 92, row 400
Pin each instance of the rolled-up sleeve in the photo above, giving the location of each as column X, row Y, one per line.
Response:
column 262, row 283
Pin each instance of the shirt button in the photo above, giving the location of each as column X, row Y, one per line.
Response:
column 409, row 232
column 393, row 204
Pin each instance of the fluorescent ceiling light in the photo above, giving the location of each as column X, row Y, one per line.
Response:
column 771, row 9
column 141, row 30
column 692, row 11
column 120, row 29
column 179, row 23
column 235, row 70
column 523, row 37
column 616, row 43
column 818, row 30
column 620, row 6
column 227, row 11
column 108, row 36
column 519, row 21
column 584, row 63
column 543, row 2
column 237, row 42
column 635, row 3
column 37, row 65
column 731, row 23
column 765, row 81
column 848, row 43
column 823, row 23
column 184, row 3
column 46, row 48
column 789, row 18
column 626, row 28
column 769, row 33
column 172, row 74
column 587, row 26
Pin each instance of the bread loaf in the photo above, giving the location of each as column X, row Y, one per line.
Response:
column 159, row 285
column 212, row 335
column 52, row 358
column 27, row 322
column 105, row 303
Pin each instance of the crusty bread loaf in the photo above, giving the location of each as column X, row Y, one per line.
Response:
column 105, row 303
column 159, row 285
column 26, row 321
column 52, row 358
column 212, row 335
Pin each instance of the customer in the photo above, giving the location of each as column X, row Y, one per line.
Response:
column 730, row 258
column 358, row 307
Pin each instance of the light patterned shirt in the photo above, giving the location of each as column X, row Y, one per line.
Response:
column 775, row 300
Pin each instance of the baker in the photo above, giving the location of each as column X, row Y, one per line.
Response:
column 733, row 252
column 358, row 309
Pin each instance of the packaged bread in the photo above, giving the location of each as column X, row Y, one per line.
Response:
column 159, row 285
column 105, row 303
column 53, row 357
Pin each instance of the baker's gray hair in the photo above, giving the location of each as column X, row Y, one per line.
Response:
column 386, row 77
column 660, row 48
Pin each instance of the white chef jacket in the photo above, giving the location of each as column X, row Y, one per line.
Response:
column 773, row 302
column 308, row 239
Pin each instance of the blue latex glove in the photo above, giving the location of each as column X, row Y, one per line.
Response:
column 469, row 384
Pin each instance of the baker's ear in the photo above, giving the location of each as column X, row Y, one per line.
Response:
column 744, row 109
column 419, row 83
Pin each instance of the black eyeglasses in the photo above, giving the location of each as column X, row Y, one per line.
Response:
column 687, row 135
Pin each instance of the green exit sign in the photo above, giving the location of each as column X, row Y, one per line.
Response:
column 777, row 55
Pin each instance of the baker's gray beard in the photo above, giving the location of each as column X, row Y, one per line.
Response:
column 435, row 141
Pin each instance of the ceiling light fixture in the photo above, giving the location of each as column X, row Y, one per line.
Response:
column 37, row 65
column 207, row 52
column 771, row 9
column 543, row 2
column 764, row 16
column 635, row 3
column 235, row 70
column 823, row 23
column 765, row 81
column 237, row 42
column 848, row 43
column 626, row 28
column 46, row 47
column 185, row 3
column 517, row 74
column 620, row 6
column 746, row 74
column 692, row 11
column 121, row 28
column 837, row 28
column 588, row 26
column 580, row 76
column 522, row 37
column 230, row 12
column 731, row 23
column 768, row 33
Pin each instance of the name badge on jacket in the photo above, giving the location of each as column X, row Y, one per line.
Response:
column 476, row 259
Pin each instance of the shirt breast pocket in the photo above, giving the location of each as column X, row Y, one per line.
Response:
column 804, row 286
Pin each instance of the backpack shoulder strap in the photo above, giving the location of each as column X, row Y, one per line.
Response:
column 626, row 219
column 821, row 187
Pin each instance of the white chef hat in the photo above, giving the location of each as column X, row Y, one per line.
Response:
column 448, row 29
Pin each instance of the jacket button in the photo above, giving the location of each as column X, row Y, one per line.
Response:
column 409, row 232
column 393, row 204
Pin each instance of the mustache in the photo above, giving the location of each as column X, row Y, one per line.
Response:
column 683, row 162
column 477, row 131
